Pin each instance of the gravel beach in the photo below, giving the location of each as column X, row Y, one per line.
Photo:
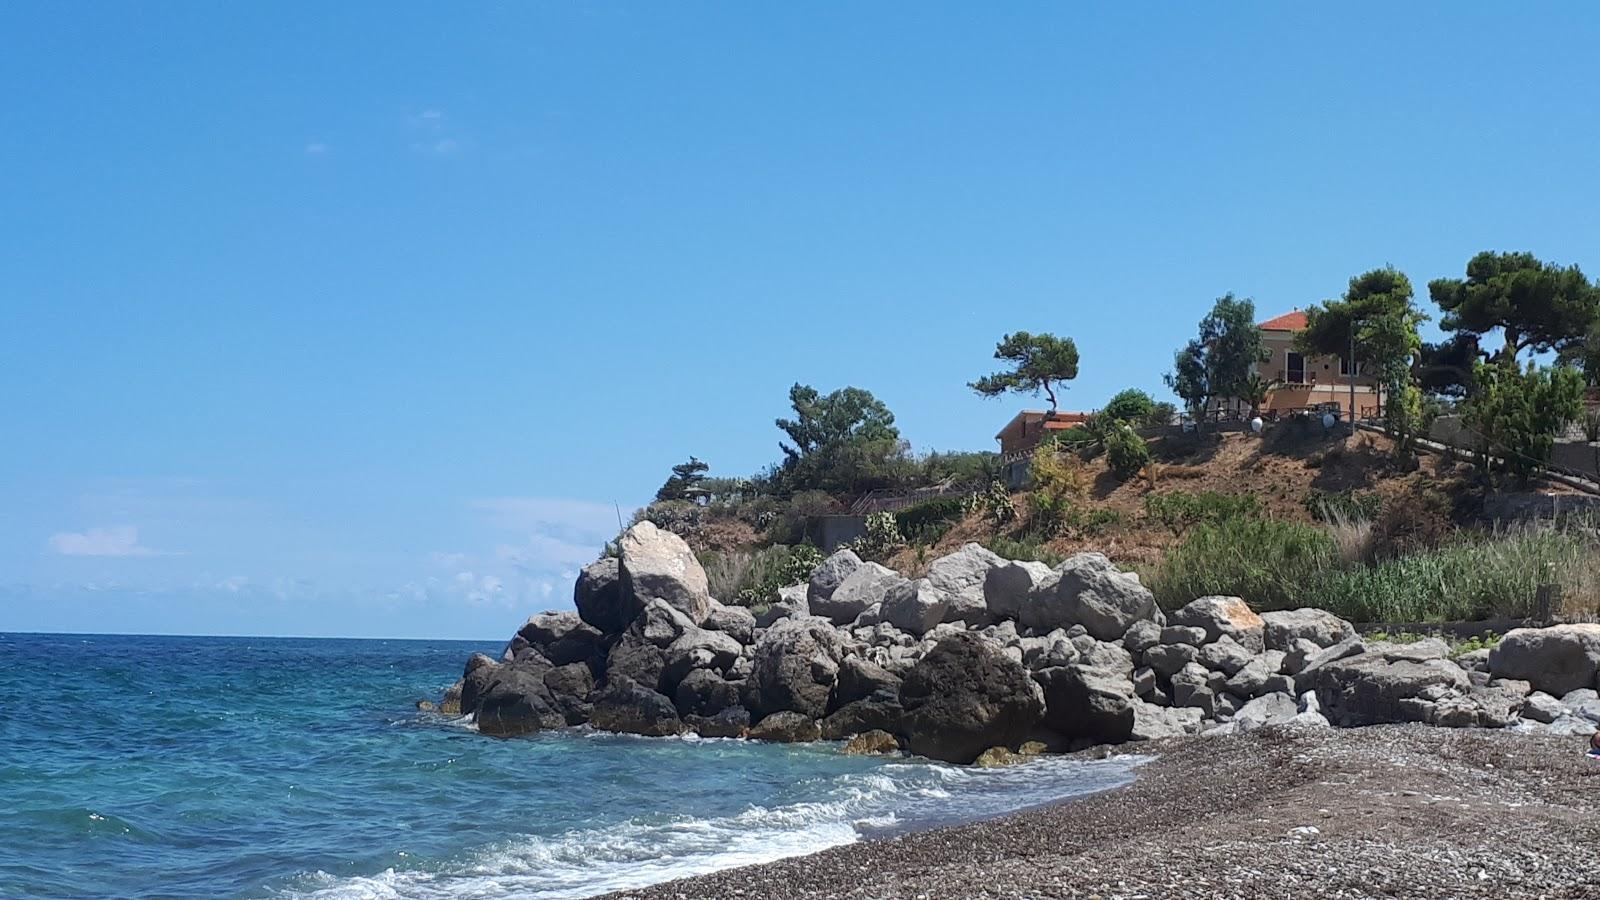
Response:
column 1385, row 811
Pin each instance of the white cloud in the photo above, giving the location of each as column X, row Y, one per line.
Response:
column 316, row 148
column 120, row 540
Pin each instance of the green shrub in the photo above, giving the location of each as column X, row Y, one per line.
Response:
column 1025, row 550
column 930, row 520
column 747, row 577
column 1131, row 405
column 1099, row 521
column 1178, row 511
column 881, row 539
column 1126, row 452
column 1265, row 561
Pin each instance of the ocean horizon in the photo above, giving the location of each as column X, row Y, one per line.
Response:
column 161, row 765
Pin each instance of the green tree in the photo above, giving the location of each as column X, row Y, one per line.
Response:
column 1126, row 452
column 1221, row 358
column 1131, row 405
column 1377, row 310
column 1038, row 363
column 1518, row 412
column 1254, row 392
column 685, row 477
column 1444, row 369
column 838, row 442
column 1536, row 305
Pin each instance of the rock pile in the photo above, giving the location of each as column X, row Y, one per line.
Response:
column 985, row 653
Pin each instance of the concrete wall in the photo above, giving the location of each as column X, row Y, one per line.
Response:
column 831, row 532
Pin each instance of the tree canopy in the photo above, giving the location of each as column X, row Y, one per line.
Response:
column 685, row 478
column 1377, row 307
column 1536, row 305
column 1220, row 359
column 838, row 441
column 1131, row 405
column 1038, row 363
column 1519, row 411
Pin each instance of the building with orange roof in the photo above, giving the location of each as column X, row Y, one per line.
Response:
column 1304, row 383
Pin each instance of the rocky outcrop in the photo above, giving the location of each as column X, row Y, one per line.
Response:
column 964, row 697
column 872, row 743
column 1555, row 660
column 659, row 564
column 982, row 654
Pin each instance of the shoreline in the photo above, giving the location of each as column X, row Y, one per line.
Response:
column 1391, row 810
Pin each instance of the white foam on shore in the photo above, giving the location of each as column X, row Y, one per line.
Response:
column 637, row 853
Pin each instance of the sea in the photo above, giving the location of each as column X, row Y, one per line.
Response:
column 144, row 766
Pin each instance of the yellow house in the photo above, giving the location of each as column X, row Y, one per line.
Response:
column 1302, row 382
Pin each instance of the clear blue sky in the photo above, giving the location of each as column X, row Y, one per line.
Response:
column 356, row 319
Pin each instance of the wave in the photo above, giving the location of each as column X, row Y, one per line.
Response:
column 897, row 796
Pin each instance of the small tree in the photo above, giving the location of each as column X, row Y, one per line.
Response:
column 1255, row 391
column 1126, row 452
column 1038, row 363
column 1535, row 305
column 840, row 442
column 685, row 477
column 1131, row 405
column 1377, row 313
column 1517, row 413
column 1220, row 359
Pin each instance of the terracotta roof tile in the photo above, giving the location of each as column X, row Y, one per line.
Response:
column 1289, row 321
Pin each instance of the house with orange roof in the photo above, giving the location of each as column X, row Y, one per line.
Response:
column 1028, row 428
column 1302, row 382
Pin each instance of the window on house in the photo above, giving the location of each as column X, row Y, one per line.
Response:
column 1344, row 367
column 1296, row 373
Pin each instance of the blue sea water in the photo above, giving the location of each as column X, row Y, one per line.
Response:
column 261, row 767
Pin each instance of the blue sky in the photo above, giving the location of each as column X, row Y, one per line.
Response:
column 358, row 319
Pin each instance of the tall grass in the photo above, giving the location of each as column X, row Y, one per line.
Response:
column 1280, row 565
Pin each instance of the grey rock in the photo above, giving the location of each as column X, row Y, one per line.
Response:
column 1097, row 595
column 1320, row 627
column 1251, row 680
column 703, row 692
column 732, row 722
column 1224, row 616
column 658, row 564
column 961, row 576
column 791, row 602
column 914, row 607
column 1299, row 653
column 548, row 627
column 570, row 686
column 1350, row 646
column 699, row 648
column 1151, row 722
column 1226, row 705
column 1542, row 707
column 859, row 679
column 661, row 623
column 1225, row 655
column 1007, row 588
column 1368, row 688
column 832, row 573
column 878, row 713
column 638, row 660
column 1416, row 651
column 1144, row 681
column 1141, row 636
column 963, row 698
column 1183, row 634
column 1191, row 687
column 862, row 588
column 1086, row 702
column 786, row 728
column 1278, row 684
column 1474, row 660
column 734, row 621
column 1168, row 659
column 624, row 706
column 600, row 599
column 1267, row 709
column 794, row 666
column 1555, row 660
column 516, row 702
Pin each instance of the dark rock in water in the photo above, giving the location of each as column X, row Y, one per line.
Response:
column 880, row 712
column 517, row 702
column 600, row 599
column 658, row 564
column 964, row 697
column 872, row 743
column 626, row 707
column 1085, row 702
column 634, row 658
column 570, row 686
column 860, row 679
column 795, row 665
column 480, row 672
column 579, row 645
column 732, row 722
column 426, row 706
column 704, row 693
column 786, row 728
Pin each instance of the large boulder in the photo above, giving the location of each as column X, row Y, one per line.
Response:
column 914, row 607
column 960, row 576
column 1220, row 616
column 1087, row 702
column 1283, row 627
column 600, row 599
column 786, row 728
column 699, row 648
column 1372, row 687
column 627, row 707
column 1091, row 592
column 638, row 660
column 661, row 623
column 827, row 577
column 732, row 722
column 1556, row 660
column 546, row 628
column 570, row 686
column 880, row 712
column 861, row 589
column 1007, row 588
column 703, row 692
column 658, row 563
column 964, row 697
column 1151, row 721
column 860, row 679
column 1268, row 709
column 734, row 621
column 794, row 667
column 515, row 702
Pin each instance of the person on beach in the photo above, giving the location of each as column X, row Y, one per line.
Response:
column 1594, row 745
